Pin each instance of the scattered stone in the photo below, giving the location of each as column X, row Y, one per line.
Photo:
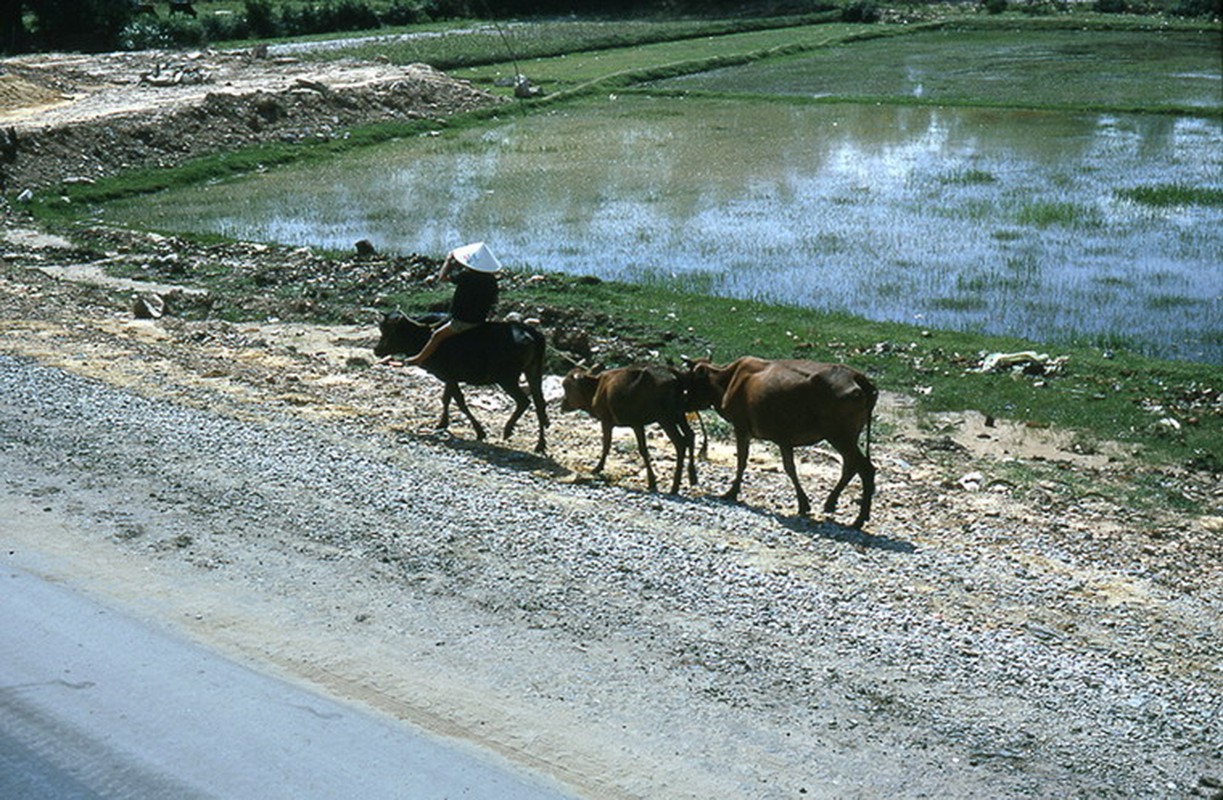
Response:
column 972, row 482
column 148, row 306
column 1027, row 362
column 524, row 89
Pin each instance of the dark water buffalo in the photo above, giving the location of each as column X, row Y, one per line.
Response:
column 634, row 397
column 793, row 403
column 495, row 352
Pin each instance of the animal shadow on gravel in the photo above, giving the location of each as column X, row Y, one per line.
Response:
column 834, row 531
column 495, row 454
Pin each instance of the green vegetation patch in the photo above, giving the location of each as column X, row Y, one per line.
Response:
column 1047, row 213
column 1172, row 194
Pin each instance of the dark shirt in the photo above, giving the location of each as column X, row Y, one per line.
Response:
column 475, row 294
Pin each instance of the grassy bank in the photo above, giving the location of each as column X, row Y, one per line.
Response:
column 1171, row 409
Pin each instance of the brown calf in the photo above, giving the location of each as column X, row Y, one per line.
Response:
column 792, row 403
column 635, row 397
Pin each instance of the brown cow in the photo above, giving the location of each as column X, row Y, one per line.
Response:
column 635, row 397
column 792, row 403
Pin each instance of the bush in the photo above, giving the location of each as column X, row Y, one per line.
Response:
column 860, row 11
column 146, row 33
column 89, row 25
column 307, row 18
column 354, row 15
column 448, row 9
column 403, row 12
column 995, row 6
column 1036, row 8
column 1197, row 8
column 223, row 26
column 261, row 19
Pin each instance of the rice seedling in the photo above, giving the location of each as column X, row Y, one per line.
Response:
column 968, row 177
column 1047, row 213
column 1164, row 195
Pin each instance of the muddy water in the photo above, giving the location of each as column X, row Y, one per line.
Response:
column 995, row 220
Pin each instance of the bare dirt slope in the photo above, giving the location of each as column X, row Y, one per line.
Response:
column 80, row 117
column 1006, row 626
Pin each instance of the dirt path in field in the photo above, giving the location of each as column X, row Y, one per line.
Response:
column 1007, row 625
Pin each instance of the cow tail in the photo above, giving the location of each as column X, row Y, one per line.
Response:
column 872, row 394
column 535, row 370
column 539, row 351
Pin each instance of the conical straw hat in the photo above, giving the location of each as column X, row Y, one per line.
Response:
column 476, row 256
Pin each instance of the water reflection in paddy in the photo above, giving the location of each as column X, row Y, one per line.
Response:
column 1003, row 221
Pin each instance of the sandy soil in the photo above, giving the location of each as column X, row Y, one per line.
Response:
column 1007, row 624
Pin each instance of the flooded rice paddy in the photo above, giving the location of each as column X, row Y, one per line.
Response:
column 1002, row 221
column 1038, row 68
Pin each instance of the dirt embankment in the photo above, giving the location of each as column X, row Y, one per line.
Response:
column 79, row 118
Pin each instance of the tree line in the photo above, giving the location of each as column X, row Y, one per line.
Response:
column 99, row 25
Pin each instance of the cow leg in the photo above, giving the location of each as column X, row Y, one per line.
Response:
column 867, row 472
column 704, row 436
column 457, row 394
column 651, row 481
column 787, row 461
column 847, row 473
column 521, row 401
column 680, row 441
column 685, row 430
column 541, row 409
column 607, row 437
column 447, row 394
column 743, row 442
column 853, row 462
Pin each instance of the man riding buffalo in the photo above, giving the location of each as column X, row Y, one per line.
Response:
column 473, row 270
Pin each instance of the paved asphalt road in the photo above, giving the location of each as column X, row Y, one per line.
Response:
column 97, row 704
